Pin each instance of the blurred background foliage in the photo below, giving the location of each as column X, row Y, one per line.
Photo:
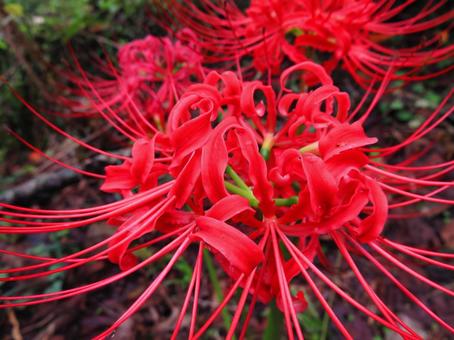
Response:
column 54, row 21
column 34, row 38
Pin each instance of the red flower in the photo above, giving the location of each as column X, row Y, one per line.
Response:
column 349, row 32
column 152, row 74
column 262, row 184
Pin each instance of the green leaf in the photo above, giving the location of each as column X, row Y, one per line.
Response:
column 397, row 104
column 433, row 98
column 55, row 286
column 143, row 253
column 418, row 87
column 183, row 266
column 16, row 10
column 404, row 116
column 3, row 46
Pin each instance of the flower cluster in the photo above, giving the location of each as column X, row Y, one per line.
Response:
column 269, row 180
column 354, row 33
column 152, row 73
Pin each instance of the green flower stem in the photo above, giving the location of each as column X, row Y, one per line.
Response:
column 217, row 287
column 286, row 202
column 325, row 322
column 242, row 192
column 236, row 178
column 274, row 323
column 326, row 318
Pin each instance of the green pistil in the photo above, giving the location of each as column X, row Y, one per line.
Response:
column 286, row 202
column 254, row 202
column 240, row 188
column 313, row 147
column 268, row 142
column 243, row 190
column 236, row 178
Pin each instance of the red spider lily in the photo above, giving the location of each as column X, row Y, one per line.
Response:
column 152, row 73
column 352, row 32
column 262, row 184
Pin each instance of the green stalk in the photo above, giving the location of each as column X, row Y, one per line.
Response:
column 242, row 192
column 326, row 318
column 274, row 323
column 236, row 178
column 216, row 287
column 325, row 324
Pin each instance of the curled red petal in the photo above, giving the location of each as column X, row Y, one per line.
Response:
column 231, row 84
column 317, row 70
column 345, row 213
column 238, row 249
column 299, row 302
column 343, row 137
column 321, row 184
column 263, row 190
column 371, row 227
column 191, row 136
column 186, row 180
column 214, row 161
column 142, row 159
column 118, row 178
column 118, row 254
column 248, row 105
column 342, row 163
column 228, row 207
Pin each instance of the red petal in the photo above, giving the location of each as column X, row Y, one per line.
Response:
column 299, row 302
column 371, row 227
column 247, row 99
column 343, row 137
column 191, row 136
column 186, row 180
column 238, row 249
column 345, row 213
column 344, row 162
column 214, row 161
column 142, row 159
column 317, row 70
column 173, row 220
column 311, row 106
column 119, row 254
column 118, row 178
column 228, row 207
column 263, row 190
column 321, row 183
